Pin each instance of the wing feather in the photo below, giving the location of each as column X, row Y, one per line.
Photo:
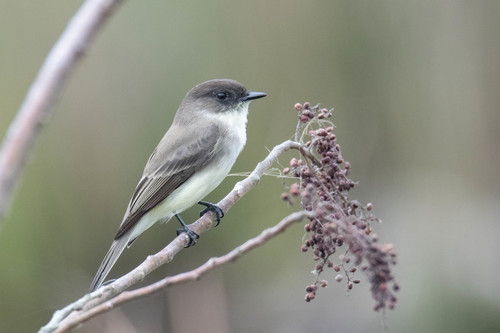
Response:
column 167, row 169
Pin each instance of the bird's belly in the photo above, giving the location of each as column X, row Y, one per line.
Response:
column 196, row 188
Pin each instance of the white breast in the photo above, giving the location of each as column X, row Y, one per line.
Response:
column 236, row 122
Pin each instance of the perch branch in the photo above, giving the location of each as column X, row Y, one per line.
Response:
column 193, row 275
column 36, row 106
column 105, row 293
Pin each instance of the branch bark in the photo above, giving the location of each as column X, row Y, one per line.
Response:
column 193, row 275
column 84, row 305
column 36, row 106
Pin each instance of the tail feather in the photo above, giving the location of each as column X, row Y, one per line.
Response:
column 109, row 260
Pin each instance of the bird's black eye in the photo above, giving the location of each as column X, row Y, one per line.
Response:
column 221, row 96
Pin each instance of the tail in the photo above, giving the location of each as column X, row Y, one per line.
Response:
column 109, row 260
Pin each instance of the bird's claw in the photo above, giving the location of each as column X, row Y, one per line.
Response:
column 212, row 208
column 193, row 236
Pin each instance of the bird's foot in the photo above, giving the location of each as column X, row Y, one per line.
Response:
column 193, row 236
column 213, row 208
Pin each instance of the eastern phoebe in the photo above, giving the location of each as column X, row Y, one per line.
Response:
column 195, row 155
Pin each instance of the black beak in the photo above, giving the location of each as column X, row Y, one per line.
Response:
column 253, row 95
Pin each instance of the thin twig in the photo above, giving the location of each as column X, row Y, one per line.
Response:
column 166, row 255
column 36, row 106
column 193, row 275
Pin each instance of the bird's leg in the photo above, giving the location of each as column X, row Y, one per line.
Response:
column 191, row 234
column 212, row 207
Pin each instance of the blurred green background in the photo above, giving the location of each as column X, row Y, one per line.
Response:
column 416, row 89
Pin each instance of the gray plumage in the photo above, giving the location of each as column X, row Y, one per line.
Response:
column 194, row 156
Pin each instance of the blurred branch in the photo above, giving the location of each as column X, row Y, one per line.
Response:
column 43, row 92
column 105, row 298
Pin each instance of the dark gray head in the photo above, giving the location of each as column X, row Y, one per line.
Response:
column 216, row 96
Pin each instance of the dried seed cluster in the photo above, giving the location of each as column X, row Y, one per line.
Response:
column 339, row 223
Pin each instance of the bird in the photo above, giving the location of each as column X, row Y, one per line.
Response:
column 193, row 157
